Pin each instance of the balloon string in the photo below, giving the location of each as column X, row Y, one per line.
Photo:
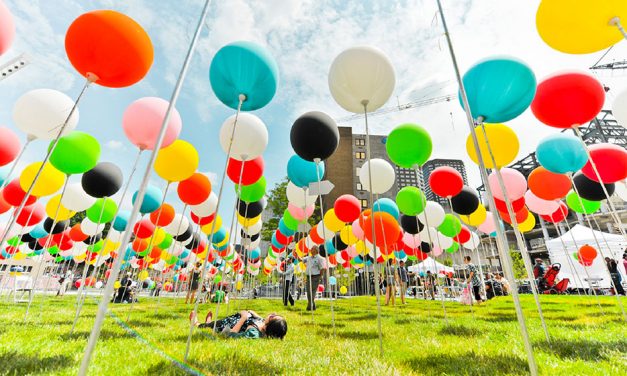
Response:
column 310, row 292
column 466, row 274
column 570, row 262
column 616, row 22
column 7, row 179
column 572, row 267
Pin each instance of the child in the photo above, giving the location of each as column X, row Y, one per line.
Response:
column 245, row 324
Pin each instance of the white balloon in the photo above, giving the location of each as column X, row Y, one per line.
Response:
column 250, row 138
column 324, row 232
column 299, row 196
column 540, row 206
column 91, row 228
column 159, row 266
column 76, row 199
column 444, row 242
column 177, row 251
column 434, row 214
column 41, row 113
column 473, row 243
column 339, row 259
column 254, row 244
column 114, row 236
column 621, row 189
column 619, row 108
column 178, row 225
column 361, row 75
column 253, row 229
column 383, row 175
column 207, row 207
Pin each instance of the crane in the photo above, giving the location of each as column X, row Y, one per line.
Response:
column 14, row 65
column 400, row 107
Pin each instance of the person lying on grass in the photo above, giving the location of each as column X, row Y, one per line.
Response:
column 245, row 324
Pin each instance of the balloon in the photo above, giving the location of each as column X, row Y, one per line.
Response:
column 178, row 225
column 411, row 224
column 411, row 201
column 619, row 108
column 561, row 153
column 302, row 172
column 39, row 113
column 76, row 199
column 347, row 236
column 433, row 214
column 517, row 205
column 568, row 99
column 50, row 179
column 104, row 180
column 501, row 140
column 361, row 79
column 453, row 248
column 528, row 224
column 249, row 173
column 143, row 229
column 332, row 222
column 109, row 45
column 451, row 226
column 300, row 214
column 75, row 153
column 610, row 161
column 347, row 208
column 446, row 181
column 195, row 189
column 386, row 205
column 487, row 227
column 590, row 189
column 76, row 234
column 587, row 252
column 103, row 210
column 386, row 229
column 244, row 68
column 249, row 139
column 252, row 192
column 91, row 228
column 580, row 29
column 548, row 185
column 176, row 162
column 463, row 236
column 314, row 136
column 4, row 206
column 299, row 196
column 206, row 208
column 31, row 215
column 7, row 28
column 151, row 201
column 476, row 218
column 465, row 202
column 514, row 182
column 558, row 216
column 540, row 206
column 13, row 194
column 252, row 209
column 10, row 144
column 383, row 175
column 121, row 220
column 409, row 145
column 142, row 122
column 520, row 216
column 343, row 290
column 581, row 205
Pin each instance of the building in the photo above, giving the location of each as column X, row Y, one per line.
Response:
column 431, row 165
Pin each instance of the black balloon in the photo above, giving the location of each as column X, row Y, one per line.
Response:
column 194, row 243
column 247, row 236
column 314, row 135
column 411, row 224
column 252, row 209
column 425, row 247
column 338, row 244
column 590, row 189
column 466, row 202
column 104, row 180
column 35, row 246
column 185, row 235
column 26, row 238
column 58, row 227
column 322, row 250
column 93, row 239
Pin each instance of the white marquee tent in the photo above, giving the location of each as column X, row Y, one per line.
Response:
column 561, row 250
column 429, row 264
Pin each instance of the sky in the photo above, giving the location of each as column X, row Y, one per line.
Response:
column 304, row 36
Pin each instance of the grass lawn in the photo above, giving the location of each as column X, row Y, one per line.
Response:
column 417, row 340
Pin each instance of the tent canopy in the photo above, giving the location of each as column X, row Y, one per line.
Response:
column 430, row 264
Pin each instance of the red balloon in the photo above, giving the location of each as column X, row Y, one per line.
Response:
column 463, row 236
column 420, row 255
column 4, row 206
column 347, row 208
column 386, row 229
column 155, row 253
column 520, row 215
column 548, row 185
column 144, row 229
column 195, row 189
column 162, row 216
column 31, row 215
column 201, row 248
column 10, row 146
column 446, row 181
column 107, row 273
column 314, row 236
column 66, row 243
column 139, row 245
column 611, row 163
column 567, row 100
column 202, row 221
column 76, row 234
column 558, row 216
column 245, row 172
column 517, row 205
column 282, row 239
column 47, row 241
column 14, row 194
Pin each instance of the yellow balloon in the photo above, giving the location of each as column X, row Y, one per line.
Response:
column 79, row 258
column 302, row 266
column 580, row 26
column 476, row 218
column 117, row 285
column 206, row 229
column 110, row 246
column 50, row 180
column 177, row 161
column 502, row 141
column 19, row 256
column 54, row 206
column 165, row 255
column 331, row 221
column 343, row 290
column 143, row 275
column 158, row 236
column 239, row 285
column 223, row 242
column 528, row 224
column 347, row 236
column 361, row 247
column 247, row 222
column 202, row 256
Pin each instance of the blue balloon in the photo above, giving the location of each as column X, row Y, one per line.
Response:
column 561, row 153
column 329, row 247
column 386, row 205
column 244, row 68
column 219, row 236
column 152, row 199
column 284, row 229
column 276, row 243
column 121, row 220
column 400, row 255
column 3, row 175
column 184, row 254
column 302, row 172
column 499, row 88
column 332, row 281
column 128, row 255
column 254, row 254
column 175, row 278
column 38, row 232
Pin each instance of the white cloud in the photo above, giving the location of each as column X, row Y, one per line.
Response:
column 115, row 145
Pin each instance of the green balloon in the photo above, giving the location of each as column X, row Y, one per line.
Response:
column 59, row 259
column 409, row 145
column 217, row 278
column 453, row 248
column 102, row 211
column 172, row 260
column 412, row 257
column 166, row 242
column 96, row 247
column 144, row 252
column 53, row 250
column 575, row 256
column 253, row 192
column 14, row 242
column 289, row 220
column 451, row 226
column 581, row 205
column 75, row 153
column 411, row 200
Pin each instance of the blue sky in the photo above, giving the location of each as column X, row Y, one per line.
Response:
column 304, row 36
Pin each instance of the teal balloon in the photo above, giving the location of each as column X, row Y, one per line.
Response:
column 451, row 226
column 253, row 192
column 276, row 243
column 121, row 220
column 284, row 229
column 329, row 247
column 3, row 176
column 244, row 68
column 386, row 205
column 332, row 281
column 219, row 236
column 409, row 145
column 152, row 199
column 561, row 153
column 38, row 232
column 302, row 172
column 102, row 211
column 254, row 254
column 499, row 88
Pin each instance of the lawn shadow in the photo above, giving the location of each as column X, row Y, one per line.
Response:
column 166, row 368
column 586, row 350
column 499, row 317
column 104, row 334
column 459, row 330
column 14, row 363
column 360, row 317
column 352, row 335
column 469, row 364
column 236, row 364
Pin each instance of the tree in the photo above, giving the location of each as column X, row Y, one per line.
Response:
column 518, row 265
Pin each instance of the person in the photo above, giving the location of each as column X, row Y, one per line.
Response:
column 403, row 279
column 220, row 296
column 194, row 281
column 314, row 263
column 538, row 269
column 245, row 324
column 288, row 280
column 625, row 261
column 430, row 285
column 390, row 284
column 503, row 282
column 493, row 287
column 123, row 294
column 612, row 266
column 473, row 278
column 64, row 281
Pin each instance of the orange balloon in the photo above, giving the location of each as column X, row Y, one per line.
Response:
column 548, row 185
column 111, row 46
column 155, row 253
column 195, row 189
column 139, row 245
column 315, row 237
column 77, row 234
column 162, row 216
column 386, row 229
column 587, row 253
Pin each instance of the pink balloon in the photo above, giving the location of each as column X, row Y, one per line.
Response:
column 436, row 251
column 357, row 230
column 142, row 122
column 7, row 28
column 352, row 251
column 487, row 227
column 298, row 213
column 515, row 184
column 411, row 241
column 540, row 206
column 10, row 145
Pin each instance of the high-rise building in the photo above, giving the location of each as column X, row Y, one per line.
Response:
column 431, row 165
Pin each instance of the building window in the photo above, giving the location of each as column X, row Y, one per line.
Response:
column 360, row 155
column 364, row 203
column 360, row 142
column 359, row 187
column 357, row 171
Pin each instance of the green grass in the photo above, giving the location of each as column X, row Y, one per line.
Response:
column 416, row 338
